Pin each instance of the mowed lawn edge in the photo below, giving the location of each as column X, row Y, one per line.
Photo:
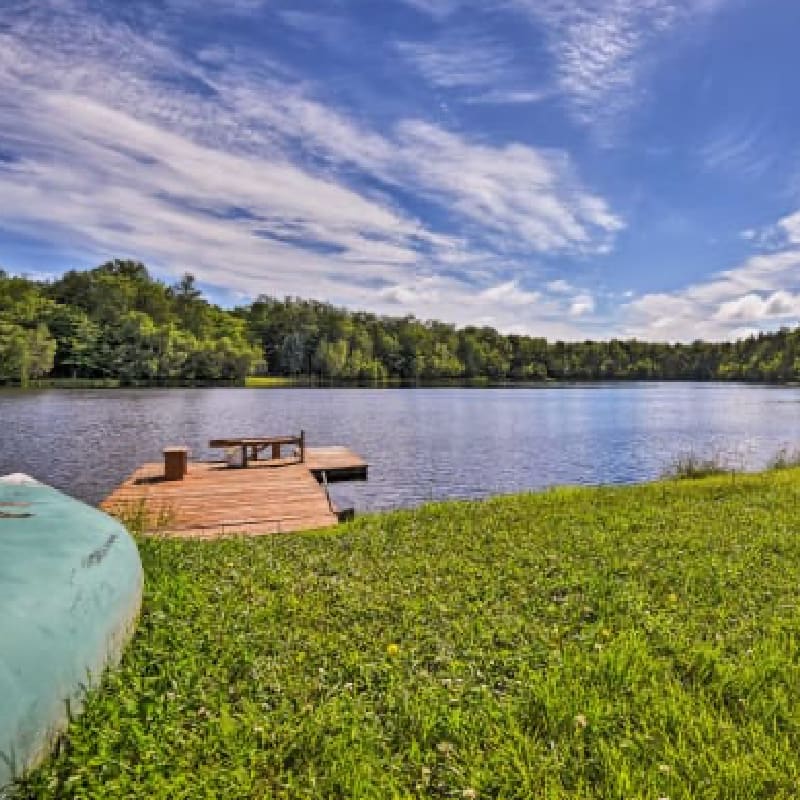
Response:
column 609, row 642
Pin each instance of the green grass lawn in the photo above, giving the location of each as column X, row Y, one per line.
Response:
column 268, row 381
column 637, row 642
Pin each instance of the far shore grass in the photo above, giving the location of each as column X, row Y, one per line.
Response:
column 634, row 642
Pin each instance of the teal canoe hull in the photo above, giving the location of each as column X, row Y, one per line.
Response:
column 70, row 593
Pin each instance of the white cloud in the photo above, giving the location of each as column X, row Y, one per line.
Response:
column 560, row 286
column 603, row 48
column 233, row 173
column 528, row 198
column 757, row 307
column 508, row 306
column 438, row 9
column 763, row 289
column 511, row 97
column 519, row 196
column 789, row 226
column 597, row 46
column 740, row 149
column 515, row 190
column 581, row 305
column 177, row 208
column 476, row 63
column 335, row 30
column 239, row 7
column 458, row 61
column 784, row 233
column 510, row 294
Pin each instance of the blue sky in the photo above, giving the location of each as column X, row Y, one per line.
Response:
column 577, row 169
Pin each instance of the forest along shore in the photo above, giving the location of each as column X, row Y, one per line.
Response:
column 117, row 324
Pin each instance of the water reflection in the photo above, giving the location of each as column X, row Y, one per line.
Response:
column 421, row 443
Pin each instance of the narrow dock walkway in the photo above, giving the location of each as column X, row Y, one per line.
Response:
column 212, row 499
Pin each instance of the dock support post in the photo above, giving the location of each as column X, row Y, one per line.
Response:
column 302, row 446
column 176, row 463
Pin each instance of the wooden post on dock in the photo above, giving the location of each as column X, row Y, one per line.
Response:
column 302, row 446
column 175, row 463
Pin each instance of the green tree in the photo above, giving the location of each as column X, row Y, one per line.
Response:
column 330, row 358
column 293, row 353
column 25, row 353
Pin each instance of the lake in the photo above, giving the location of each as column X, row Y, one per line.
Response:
column 421, row 444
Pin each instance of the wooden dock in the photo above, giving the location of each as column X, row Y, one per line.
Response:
column 213, row 499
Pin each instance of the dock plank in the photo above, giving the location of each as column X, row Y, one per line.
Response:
column 271, row 496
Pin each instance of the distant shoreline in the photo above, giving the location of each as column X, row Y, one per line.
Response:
column 283, row 382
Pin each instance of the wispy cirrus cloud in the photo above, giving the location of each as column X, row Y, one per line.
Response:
column 602, row 49
column 112, row 182
column 481, row 67
column 293, row 149
column 597, row 47
column 438, row 9
column 459, row 61
column 519, row 195
column 229, row 170
column 740, row 149
column 239, row 7
column 514, row 197
column 335, row 30
column 511, row 97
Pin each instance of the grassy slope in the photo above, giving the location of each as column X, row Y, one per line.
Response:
column 581, row 643
column 267, row 382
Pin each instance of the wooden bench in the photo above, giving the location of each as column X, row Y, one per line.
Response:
column 251, row 446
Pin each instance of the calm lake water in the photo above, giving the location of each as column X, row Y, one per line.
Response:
column 421, row 444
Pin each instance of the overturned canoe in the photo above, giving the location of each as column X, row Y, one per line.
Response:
column 70, row 592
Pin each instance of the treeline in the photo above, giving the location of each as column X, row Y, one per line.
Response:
column 117, row 322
